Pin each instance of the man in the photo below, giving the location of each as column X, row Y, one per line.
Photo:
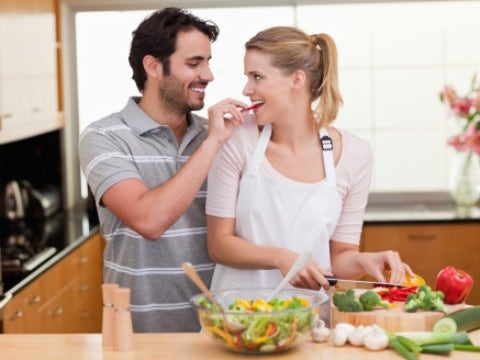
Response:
column 146, row 167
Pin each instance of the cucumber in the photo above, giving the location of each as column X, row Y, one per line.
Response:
column 446, row 325
column 466, row 319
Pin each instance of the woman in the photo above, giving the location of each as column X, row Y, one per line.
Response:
column 289, row 182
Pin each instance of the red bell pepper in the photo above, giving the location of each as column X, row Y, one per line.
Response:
column 455, row 284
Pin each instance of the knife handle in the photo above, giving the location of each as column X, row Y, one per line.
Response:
column 332, row 281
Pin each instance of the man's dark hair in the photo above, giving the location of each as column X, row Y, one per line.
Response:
column 157, row 34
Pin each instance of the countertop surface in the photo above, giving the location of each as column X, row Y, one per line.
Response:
column 182, row 346
column 440, row 212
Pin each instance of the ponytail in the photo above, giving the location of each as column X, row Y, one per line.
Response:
column 326, row 88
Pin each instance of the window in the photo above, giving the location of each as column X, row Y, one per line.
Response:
column 394, row 59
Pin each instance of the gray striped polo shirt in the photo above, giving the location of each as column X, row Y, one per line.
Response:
column 131, row 145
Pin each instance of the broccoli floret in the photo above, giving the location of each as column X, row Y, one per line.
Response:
column 433, row 302
column 352, row 306
column 425, row 299
column 412, row 304
column 346, row 302
column 350, row 293
column 370, row 300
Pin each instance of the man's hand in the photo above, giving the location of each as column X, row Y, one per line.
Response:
column 223, row 117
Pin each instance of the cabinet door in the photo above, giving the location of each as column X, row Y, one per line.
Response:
column 21, row 314
column 66, row 298
column 428, row 248
column 28, row 69
column 77, row 306
column 87, row 290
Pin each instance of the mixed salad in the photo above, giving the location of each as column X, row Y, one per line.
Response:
column 269, row 326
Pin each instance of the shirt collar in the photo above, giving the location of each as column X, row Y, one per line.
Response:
column 141, row 123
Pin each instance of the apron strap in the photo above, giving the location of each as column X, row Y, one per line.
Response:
column 327, row 145
column 261, row 147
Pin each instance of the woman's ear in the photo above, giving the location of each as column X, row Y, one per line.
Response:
column 298, row 79
column 152, row 66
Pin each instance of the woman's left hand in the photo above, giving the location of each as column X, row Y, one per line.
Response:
column 377, row 264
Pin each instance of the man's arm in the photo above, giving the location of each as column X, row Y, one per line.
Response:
column 151, row 212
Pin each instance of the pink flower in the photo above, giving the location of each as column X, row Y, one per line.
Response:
column 448, row 95
column 461, row 106
column 472, row 138
column 477, row 107
column 467, row 141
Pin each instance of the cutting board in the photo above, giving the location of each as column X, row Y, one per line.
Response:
column 394, row 319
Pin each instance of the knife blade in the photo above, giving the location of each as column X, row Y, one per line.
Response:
column 347, row 283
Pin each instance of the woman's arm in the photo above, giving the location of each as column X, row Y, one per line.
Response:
column 227, row 249
column 348, row 262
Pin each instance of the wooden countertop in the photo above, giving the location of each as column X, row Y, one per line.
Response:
column 180, row 346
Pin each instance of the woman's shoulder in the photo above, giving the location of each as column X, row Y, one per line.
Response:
column 245, row 135
column 356, row 153
column 353, row 143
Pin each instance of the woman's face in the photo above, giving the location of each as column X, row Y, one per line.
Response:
column 268, row 85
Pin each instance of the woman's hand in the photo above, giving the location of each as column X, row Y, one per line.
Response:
column 311, row 276
column 377, row 264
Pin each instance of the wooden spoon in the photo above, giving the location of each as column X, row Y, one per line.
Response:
column 232, row 326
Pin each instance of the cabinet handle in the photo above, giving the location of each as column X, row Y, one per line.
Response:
column 83, row 287
column 4, row 116
column 422, row 237
column 16, row 315
column 85, row 314
column 83, row 260
column 34, row 300
column 36, row 109
column 58, row 311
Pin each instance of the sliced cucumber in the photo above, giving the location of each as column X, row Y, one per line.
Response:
column 445, row 325
column 466, row 319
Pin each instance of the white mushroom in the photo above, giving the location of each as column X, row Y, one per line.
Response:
column 339, row 336
column 346, row 327
column 376, row 339
column 320, row 334
column 356, row 337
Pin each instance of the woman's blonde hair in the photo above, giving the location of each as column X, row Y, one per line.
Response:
column 291, row 49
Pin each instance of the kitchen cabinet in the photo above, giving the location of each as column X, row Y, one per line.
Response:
column 429, row 247
column 28, row 69
column 65, row 299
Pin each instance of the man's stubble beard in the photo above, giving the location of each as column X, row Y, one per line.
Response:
column 172, row 94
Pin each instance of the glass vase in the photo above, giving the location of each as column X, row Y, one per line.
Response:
column 465, row 178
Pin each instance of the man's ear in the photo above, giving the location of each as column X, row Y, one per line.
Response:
column 153, row 67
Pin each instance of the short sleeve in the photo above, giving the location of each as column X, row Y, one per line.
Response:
column 227, row 170
column 103, row 162
column 354, row 175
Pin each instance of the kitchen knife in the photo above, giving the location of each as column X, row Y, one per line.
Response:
column 346, row 283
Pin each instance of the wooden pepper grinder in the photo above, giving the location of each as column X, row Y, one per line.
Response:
column 123, row 331
column 108, row 315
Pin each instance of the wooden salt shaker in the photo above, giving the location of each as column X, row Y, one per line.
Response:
column 123, row 331
column 108, row 315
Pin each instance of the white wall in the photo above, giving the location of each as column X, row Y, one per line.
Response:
column 394, row 59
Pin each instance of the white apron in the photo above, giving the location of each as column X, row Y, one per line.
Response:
column 283, row 213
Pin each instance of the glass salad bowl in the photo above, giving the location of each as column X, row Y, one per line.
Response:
column 262, row 327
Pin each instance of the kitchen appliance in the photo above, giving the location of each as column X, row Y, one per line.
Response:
column 12, row 201
column 42, row 201
column 21, row 200
column 30, row 228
